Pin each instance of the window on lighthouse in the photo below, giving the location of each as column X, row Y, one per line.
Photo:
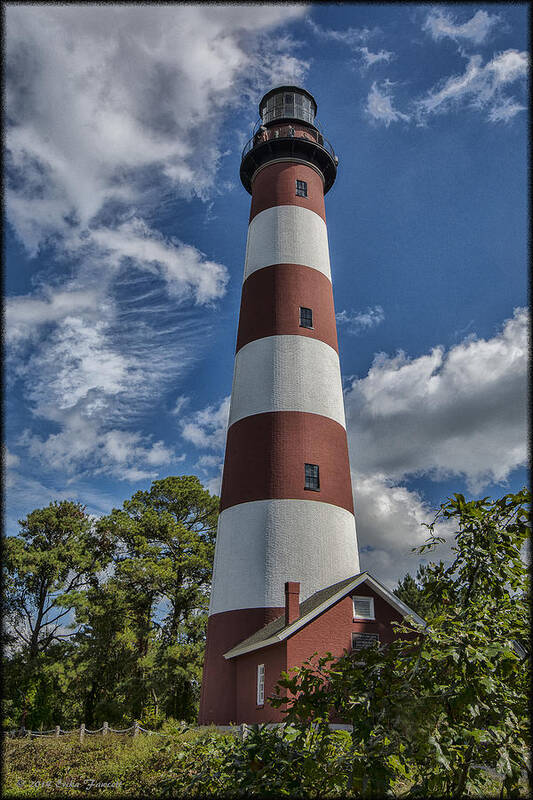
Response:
column 301, row 188
column 306, row 317
column 312, row 480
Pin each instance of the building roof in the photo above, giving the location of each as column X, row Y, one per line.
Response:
column 276, row 631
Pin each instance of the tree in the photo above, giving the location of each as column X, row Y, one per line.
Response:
column 165, row 547
column 447, row 697
column 105, row 655
column 412, row 591
column 56, row 555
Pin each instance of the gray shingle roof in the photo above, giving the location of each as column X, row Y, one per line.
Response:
column 278, row 624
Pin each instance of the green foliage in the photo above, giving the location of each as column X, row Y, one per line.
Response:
column 427, row 710
column 165, row 545
column 294, row 762
column 442, row 699
column 269, row 762
column 412, row 592
column 134, row 588
column 55, row 557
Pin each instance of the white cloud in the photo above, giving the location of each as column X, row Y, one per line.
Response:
column 350, row 36
column 158, row 454
column 110, row 109
column 440, row 24
column 84, row 447
column 360, row 321
column 181, row 402
column 481, row 85
column 94, row 378
column 207, row 428
column 379, row 105
column 209, row 461
column 390, row 521
column 9, row 463
column 98, row 95
column 78, row 361
column 461, row 412
column 10, row 460
column 184, row 268
column 24, row 314
column 506, row 110
column 211, row 467
column 367, row 58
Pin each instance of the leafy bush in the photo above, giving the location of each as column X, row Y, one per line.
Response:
column 444, row 698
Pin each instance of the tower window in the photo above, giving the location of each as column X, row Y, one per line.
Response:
column 260, row 684
column 301, row 188
column 306, row 317
column 312, row 480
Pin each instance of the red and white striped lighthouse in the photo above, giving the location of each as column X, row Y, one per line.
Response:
column 286, row 500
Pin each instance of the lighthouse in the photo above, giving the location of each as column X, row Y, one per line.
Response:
column 286, row 533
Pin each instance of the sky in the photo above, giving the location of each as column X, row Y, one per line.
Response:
column 126, row 230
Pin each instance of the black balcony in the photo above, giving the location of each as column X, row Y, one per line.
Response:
column 308, row 145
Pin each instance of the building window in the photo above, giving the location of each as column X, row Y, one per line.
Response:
column 363, row 608
column 306, row 317
column 312, row 480
column 260, row 684
column 361, row 640
column 301, row 188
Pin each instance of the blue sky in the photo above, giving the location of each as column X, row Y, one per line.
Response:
column 127, row 226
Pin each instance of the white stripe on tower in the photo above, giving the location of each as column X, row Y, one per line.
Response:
column 287, row 373
column 321, row 557
column 287, row 235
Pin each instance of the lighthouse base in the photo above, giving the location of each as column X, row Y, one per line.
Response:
column 218, row 704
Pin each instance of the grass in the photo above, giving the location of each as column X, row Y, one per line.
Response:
column 109, row 766
column 124, row 766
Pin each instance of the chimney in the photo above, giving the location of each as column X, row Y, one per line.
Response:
column 292, row 601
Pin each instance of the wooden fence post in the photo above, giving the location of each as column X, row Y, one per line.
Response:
column 82, row 731
column 106, row 728
column 136, row 728
column 57, row 730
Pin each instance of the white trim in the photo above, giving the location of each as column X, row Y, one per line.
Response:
column 260, row 695
column 290, row 629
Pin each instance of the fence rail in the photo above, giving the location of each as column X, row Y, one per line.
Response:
column 241, row 730
column 278, row 134
column 133, row 730
column 82, row 731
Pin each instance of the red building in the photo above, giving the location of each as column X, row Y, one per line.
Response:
column 343, row 617
column 286, row 530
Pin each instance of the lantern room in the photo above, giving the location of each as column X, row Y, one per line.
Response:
column 288, row 102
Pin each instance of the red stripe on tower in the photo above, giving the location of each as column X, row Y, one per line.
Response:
column 272, row 299
column 286, row 500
